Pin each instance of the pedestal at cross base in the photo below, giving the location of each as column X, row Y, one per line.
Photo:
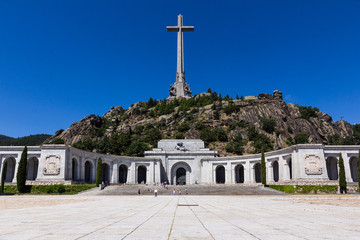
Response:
column 180, row 88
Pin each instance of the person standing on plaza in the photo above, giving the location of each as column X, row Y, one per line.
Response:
column 155, row 192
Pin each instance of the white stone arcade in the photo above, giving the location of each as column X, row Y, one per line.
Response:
column 184, row 161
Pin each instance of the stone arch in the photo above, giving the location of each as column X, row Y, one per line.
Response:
column 239, row 173
column 220, row 174
column 105, row 172
column 75, row 169
column 180, row 174
column 332, row 168
column 32, row 168
column 10, row 169
column 123, row 171
column 89, row 171
column 275, row 167
column 257, row 172
column 141, row 174
column 354, row 163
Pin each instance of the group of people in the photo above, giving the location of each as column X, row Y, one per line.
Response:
column 175, row 192
column 178, row 192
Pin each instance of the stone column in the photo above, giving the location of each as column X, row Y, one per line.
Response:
column 347, row 167
column 281, row 168
column 17, row 160
column 270, row 172
column 114, row 172
column 247, row 172
column 81, row 174
column 228, row 173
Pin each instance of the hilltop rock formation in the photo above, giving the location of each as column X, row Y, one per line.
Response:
column 268, row 114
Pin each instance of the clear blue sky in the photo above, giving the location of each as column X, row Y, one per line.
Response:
column 63, row 60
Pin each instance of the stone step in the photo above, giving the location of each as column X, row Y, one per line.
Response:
column 192, row 190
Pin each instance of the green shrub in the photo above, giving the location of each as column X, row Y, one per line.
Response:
column 86, row 144
column 57, row 141
column 151, row 103
column 61, row 188
column 290, row 130
column 236, row 144
column 305, row 189
column 138, row 129
column 118, row 143
column 289, row 141
column 356, row 135
column 307, row 112
column 220, row 134
column 231, row 108
column 260, row 140
column 199, row 126
column 302, row 137
column 179, row 135
column 152, row 136
column 137, row 149
column 268, row 125
column 207, row 135
column 184, row 127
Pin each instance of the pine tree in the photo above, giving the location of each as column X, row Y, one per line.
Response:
column 342, row 179
column 99, row 172
column 21, row 173
column 3, row 175
column 263, row 168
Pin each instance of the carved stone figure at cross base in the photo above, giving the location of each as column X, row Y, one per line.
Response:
column 180, row 88
column 181, row 147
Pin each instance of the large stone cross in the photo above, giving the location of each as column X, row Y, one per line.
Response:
column 180, row 88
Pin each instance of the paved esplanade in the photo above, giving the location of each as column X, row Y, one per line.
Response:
column 180, row 88
column 184, row 217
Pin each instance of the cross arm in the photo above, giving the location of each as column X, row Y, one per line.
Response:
column 172, row 29
column 187, row 28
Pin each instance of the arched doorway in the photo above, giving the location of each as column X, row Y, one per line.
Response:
column 75, row 169
column 239, row 173
column 88, row 171
column 123, row 170
column 10, row 169
column 220, row 174
column 32, row 168
column 105, row 172
column 354, row 163
column 257, row 169
column 180, row 176
column 275, row 166
column 141, row 174
column 331, row 167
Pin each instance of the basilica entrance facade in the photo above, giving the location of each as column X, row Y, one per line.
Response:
column 180, row 174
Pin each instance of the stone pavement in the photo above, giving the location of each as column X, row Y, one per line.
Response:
column 180, row 217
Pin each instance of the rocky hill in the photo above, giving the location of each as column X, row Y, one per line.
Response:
column 231, row 126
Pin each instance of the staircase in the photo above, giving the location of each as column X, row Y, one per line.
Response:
column 218, row 189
